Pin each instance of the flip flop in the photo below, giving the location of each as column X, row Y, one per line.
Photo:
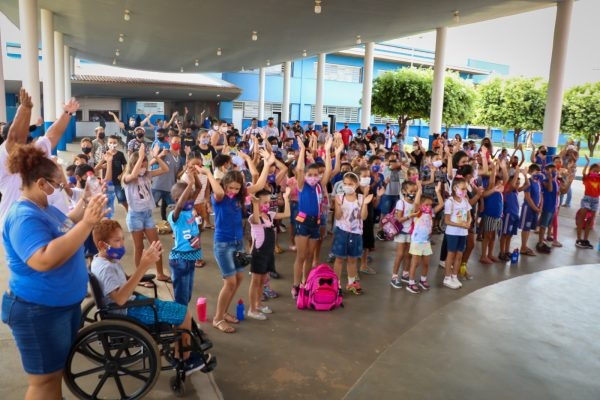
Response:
column 223, row 326
column 166, row 280
column 148, row 285
column 200, row 264
column 230, row 318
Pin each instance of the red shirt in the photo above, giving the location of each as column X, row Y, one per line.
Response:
column 592, row 185
column 346, row 135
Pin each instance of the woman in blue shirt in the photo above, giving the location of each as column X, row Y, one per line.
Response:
column 48, row 278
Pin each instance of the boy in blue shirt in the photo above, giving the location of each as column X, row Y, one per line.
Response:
column 550, row 199
column 492, row 212
column 186, row 247
column 532, row 207
column 510, row 220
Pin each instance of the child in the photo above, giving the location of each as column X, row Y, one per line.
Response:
column 200, row 203
column 117, row 288
column 137, row 185
column 492, row 212
column 510, row 220
column 550, row 189
column 368, row 236
column 350, row 211
column 457, row 216
column 531, row 208
column 420, row 244
column 186, row 247
column 263, row 234
column 589, row 204
column 404, row 214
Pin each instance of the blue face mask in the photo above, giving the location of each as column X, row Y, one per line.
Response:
column 188, row 205
column 375, row 168
column 115, row 253
column 271, row 178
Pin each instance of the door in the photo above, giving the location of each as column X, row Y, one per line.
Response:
column 277, row 119
column 236, row 118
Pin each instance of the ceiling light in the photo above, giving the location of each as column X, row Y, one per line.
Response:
column 268, row 63
column 196, row 63
column 181, row 70
column 114, row 61
column 317, row 6
column 219, row 51
column 358, row 39
column 157, row 92
column 121, row 38
column 304, row 53
column 456, row 16
column 254, row 36
column 127, row 15
column 190, row 94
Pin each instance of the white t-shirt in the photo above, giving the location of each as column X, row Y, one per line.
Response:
column 10, row 184
column 351, row 220
column 459, row 213
column 405, row 208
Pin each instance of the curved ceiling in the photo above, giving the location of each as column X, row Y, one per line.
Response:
column 168, row 35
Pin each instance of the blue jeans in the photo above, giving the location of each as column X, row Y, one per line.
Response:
column 387, row 203
column 182, row 274
column 44, row 335
column 224, row 252
column 165, row 199
column 569, row 197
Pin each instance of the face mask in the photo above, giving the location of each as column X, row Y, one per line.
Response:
column 290, row 156
column 132, row 123
column 459, row 193
column 101, row 135
column 426, row 209
column 366, row 181
column 413, row 178
column 514, row 164
column 204, row 141
column 554, row 175
column 437, row 163
column 161, row 138
column 231, row 195
column 86, row 150
column 375, row 168
column 176, row 146
column 142, row 171
column 271, row 178
column 188, row 205
column 270, row 124
column 593, row 174
column 539, row 176
column 274, row 147
column 411, row 196
column 115, row 253
column 72, row 180
column 312, row 180
column 348, row 189
column 140, row 135
column 264, row 208
column 112, row 146
column 543, row 152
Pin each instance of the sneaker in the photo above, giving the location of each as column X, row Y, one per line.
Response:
column 292, row 248
column 275, row 275
column 587, row 244
column 282, row 228
column 354, row 288
column 405, row 278
column 256, row 315
column 581, row 244
column 451, row 284
column 543, row 248
column 396, row 283
column 265, row 310
column 442, row 264
column 194, row 363
column 414, row 288
column 270, row 293
column 455, row 280
column 295, row 291
column 330, row 258
column 380, row 236
column 424, row 285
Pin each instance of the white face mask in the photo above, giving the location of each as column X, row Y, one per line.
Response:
column 437, row 163
column 365, row 181
column 348, row 189
column 112, row 146
column 142, row 171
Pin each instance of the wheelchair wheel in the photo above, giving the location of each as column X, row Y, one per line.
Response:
column 112, row 359
column 88, row 314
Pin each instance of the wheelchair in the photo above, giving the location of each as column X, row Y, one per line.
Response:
column 118, row 357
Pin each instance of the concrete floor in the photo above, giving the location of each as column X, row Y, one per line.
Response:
column 306, row 355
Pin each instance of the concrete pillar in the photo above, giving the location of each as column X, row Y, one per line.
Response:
column 261, row 96
column 59, row 66
column 552, row 115
column 437, row 92
column 67, row 71
column 48, row 77
column 2, row 86
column 367, row 89
column 285, row 104
column 319, row 98
column 28, row 10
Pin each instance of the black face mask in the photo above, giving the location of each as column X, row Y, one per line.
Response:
column 161, row 138
column 411, row 196
column 101, row 135
column 140, row 135
column 543, row 152
column 86, row 150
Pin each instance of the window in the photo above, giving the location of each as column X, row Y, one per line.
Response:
column 272, row 70
column 378, row 119
column 149, row 107
column 341, row 73
column 98, row 115
column 342, row 114
column 251, row 109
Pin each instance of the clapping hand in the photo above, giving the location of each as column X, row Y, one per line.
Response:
column 368, row 198
column 151, row 255
column 95, row 209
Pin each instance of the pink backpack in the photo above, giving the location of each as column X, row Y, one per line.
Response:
column 390, row 225
column 321, row 290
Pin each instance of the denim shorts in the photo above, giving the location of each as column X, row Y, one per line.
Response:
column 120, row 194
column 310, row 229
column 529, row 219
column 44, row 335
column 456, row 243
column 165, row 195
column 589, row 202
column 510, row 224
column 169, row 312
column 139, row 220
column 182, row 274
column 546, row 219
column 293, row 213
column 346, row 244
column 224, row 252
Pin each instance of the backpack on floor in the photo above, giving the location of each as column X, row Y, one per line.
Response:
column 321, row 290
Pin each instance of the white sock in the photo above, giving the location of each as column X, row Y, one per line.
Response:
column 351, row 280
column 454, row 277
column 411, row 282
column 423, row 278
column 447, row 278
column 394, row 276
column 404, row 274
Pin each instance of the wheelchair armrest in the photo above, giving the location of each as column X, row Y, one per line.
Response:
column 148, row 278
column 132, row 303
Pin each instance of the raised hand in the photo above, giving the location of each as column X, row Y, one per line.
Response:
column 187, row 150
column 380, row 191
column 142, row 149
column 438, row 187
column 328, row 143
column 25, row 98
column 71, row 106
column 151, row 254
column 175, row 114
column 287, row 192
column 163, row 153
column 202, row 170
column 368, row 199
column 95, row 209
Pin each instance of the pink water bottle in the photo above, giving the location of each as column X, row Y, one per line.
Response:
column 201, row 309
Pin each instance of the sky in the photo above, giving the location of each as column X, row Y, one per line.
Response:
column 524, row 42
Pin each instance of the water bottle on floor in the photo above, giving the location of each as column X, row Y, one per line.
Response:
column 201, row 309
column 514, row 257
column 240, row 310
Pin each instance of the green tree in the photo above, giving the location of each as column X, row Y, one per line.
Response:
column 488, row 108
column 459, row 101
column 581, row 114
column 404, row 94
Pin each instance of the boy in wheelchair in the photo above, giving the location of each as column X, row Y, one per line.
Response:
column 117, row 288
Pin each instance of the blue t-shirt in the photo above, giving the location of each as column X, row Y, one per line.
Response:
column 228, row 219
column 493, row 204
column 511, row 203
column 185, row 229
column 162, row 146
column 28, row 228
column 338, row 177
column 550, row 198
column 309, row 199
column 534, row 190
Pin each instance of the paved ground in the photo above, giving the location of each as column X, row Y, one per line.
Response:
column 302, row 354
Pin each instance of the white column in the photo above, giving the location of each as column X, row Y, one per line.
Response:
column 28, row 10
column 437, row 92
column 59, row 66
column 320, row 83
column 552, row 115
column 2, row 86
column 261, row 96
column 285, row 103
column 68, row 63
column 47, row 23
column 367, row 89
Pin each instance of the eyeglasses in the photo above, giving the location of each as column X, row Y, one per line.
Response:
column 56, row 185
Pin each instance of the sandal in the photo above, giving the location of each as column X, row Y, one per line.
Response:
column 367, row 271
column 528, row 252
column 166, row 279
column 200, row 264
column 148, row 285
column 223, row 326
column 230, row 318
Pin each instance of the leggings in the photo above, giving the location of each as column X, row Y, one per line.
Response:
column 444, row 249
